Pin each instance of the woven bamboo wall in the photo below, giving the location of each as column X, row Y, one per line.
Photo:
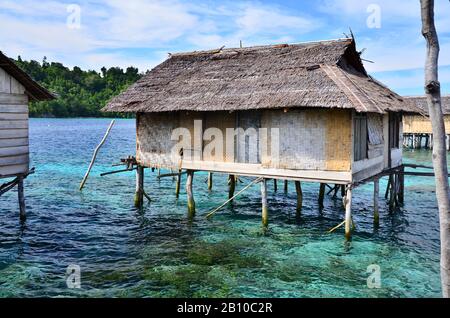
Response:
column 309, row 139
column 415, row 124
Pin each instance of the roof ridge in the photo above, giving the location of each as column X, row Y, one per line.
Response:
column 255, row 47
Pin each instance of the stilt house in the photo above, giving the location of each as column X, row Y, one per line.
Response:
column 417, row 127
column 17, row 89
column 301, row 112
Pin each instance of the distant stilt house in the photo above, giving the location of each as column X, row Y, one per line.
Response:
column 417, row 127
column 301, row 112
column 17, row 89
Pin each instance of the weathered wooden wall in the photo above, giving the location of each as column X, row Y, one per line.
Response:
column 416, row 124
column 14, row 150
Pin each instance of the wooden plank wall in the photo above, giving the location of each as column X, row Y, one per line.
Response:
column 14, row 148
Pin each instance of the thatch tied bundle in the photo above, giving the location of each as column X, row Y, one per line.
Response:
column 327, row 74
column 421, row 103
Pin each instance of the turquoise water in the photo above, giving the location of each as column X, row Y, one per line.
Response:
column 157, row 252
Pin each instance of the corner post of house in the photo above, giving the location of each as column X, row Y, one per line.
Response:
column 348, row 211
column 376, row 193
column 21, row 197
column 190, row 194
column 139, row 194
column 265, row 208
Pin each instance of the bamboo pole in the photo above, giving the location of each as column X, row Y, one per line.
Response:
column 222, row 205
column 95, row 154
column 190, row 194
column 275, row 185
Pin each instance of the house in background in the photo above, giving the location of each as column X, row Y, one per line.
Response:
column 335, row 124
column 17, row 89
column 417, row 127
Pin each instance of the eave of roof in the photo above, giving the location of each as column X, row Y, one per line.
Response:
column 34, row 90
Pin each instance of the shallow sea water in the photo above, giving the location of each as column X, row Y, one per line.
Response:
column 158, row 252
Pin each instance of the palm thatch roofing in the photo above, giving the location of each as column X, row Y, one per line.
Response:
column 33, row 89
column 421, row 102
column 327, row 74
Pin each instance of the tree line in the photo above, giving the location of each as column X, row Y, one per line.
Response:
column 80, row 93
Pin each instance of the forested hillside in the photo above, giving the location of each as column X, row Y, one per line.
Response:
column 80, row 93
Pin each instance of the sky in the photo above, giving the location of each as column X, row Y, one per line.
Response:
column 96, row 33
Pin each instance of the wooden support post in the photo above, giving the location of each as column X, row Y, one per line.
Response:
column 388, row 187
column 401, row 189
column 231, row 186
column 190, row 194
column 210, row 181
column 348, row 211
column 321, row 195
column 178, row 185
column 298, row 189
column 21, row 195
column 286, row 186
column 265, row 209
column 139, row 195
column 275, row 185
column 376, row 193
column 392, row 192
column 342, row 191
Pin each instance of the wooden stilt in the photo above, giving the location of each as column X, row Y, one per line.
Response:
column 286, row 185
column 231, row 186
column 342, row 191
column 401, row 189
column 348, row 212
column 388, row 187
column 190, row 194
column 275, row 185
column 265, row 209
column 139, row 195
column 392, row 192
column 321, row 195
column 210, row 181
column 21, row 195
column 298, row 189
column 376, row 192
column 178, row 185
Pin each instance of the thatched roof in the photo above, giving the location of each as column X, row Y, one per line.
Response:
column 35, row 91
column 319, row 74
column 421, row 102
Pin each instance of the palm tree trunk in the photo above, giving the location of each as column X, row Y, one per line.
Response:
column 433, row 93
